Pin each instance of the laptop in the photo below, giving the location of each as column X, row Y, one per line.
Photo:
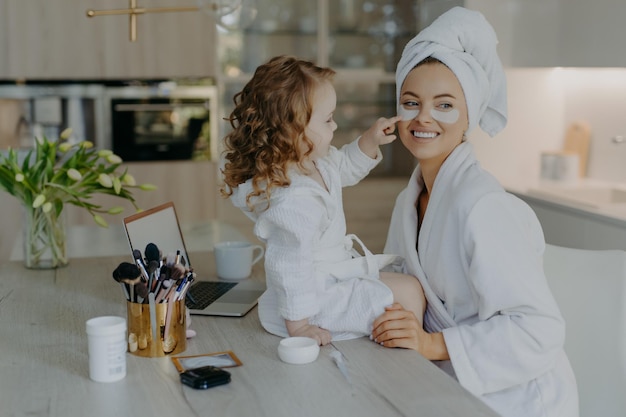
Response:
column 159, row 225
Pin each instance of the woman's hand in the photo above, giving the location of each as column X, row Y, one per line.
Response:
column 398, row 327
column 302, row 328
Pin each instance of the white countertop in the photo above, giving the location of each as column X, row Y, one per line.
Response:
column 45, row 361
column 586, row 196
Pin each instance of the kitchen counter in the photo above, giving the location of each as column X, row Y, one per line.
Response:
column 586, row 215
column 598, row 199
column 45, row 360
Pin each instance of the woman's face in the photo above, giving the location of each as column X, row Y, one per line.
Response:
column 322, row 126
column 434, row 113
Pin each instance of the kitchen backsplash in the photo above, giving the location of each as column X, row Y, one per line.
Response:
column 543, row 102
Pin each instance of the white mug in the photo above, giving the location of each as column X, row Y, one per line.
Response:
column 234, row 259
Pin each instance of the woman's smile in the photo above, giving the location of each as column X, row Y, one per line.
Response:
column 424, row 135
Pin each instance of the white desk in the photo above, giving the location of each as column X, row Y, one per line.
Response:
column 44, row 362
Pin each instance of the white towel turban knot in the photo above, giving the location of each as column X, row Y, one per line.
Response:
column 466, row 43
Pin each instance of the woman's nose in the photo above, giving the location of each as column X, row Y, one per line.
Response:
column 423, row 116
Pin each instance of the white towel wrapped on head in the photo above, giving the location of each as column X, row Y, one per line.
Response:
column 465, row 42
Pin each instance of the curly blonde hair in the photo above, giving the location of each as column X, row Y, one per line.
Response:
column 269, row 121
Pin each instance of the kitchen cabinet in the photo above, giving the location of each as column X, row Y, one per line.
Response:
column 191, row 185
column 56, row 40
column 575, row 228
column 361, row 39
column 557, row 33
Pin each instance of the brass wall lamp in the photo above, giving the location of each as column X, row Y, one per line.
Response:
column 230, row 14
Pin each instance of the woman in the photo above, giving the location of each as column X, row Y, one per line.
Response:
column 477, row 250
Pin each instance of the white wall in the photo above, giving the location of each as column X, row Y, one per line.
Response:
column 535, row 36
column 543, row 102
column 599, row 96
column 536, row 113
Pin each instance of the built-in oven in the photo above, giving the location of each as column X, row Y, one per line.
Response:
column 164, row 121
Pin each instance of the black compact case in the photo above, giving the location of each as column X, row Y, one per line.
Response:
column 205, row 377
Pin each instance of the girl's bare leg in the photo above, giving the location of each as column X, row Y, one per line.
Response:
column 407, row 291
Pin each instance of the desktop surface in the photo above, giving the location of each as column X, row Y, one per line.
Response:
column 44, row 364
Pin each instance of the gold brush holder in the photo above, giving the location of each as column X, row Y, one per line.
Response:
column 168, row 339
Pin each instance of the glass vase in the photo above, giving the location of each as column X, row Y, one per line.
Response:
column 44, row 238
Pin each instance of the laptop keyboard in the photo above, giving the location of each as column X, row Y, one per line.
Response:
column 203, row 293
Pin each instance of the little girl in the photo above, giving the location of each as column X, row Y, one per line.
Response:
column 282, row 171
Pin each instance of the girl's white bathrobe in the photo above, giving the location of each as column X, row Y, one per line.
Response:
column 311, row 269
column 479, row 259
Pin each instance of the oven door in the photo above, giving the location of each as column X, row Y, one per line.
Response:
column 158, row 128
column 149, row 124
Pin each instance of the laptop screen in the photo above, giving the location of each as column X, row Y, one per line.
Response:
column 158, row 225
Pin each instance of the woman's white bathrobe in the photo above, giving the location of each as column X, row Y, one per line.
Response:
column 479, row 260
column 310, row 266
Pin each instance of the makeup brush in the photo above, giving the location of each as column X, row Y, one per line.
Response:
column 152, row 252
column 152, row 255
column 141, row 288
column 177, row 271
column 131, row 283
column 170, row 259
column 166, row 285
column 124, row 271
column 138, row 258
column 152, row 269
column 160, row 279
column 153, row 320
column 140, row 264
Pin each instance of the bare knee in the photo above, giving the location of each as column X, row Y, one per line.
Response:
column 407, row 291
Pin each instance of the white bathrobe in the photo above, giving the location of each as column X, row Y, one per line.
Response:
column 311, row 269
column 479, row 260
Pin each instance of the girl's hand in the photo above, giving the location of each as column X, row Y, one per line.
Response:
column 382, row 130
column 398, row 327
column 380, row 133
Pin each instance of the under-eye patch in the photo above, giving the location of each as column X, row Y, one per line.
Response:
column 448, row 117
column 441, row 116
column 407, row 114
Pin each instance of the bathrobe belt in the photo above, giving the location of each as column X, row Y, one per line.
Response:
column 343, row 261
